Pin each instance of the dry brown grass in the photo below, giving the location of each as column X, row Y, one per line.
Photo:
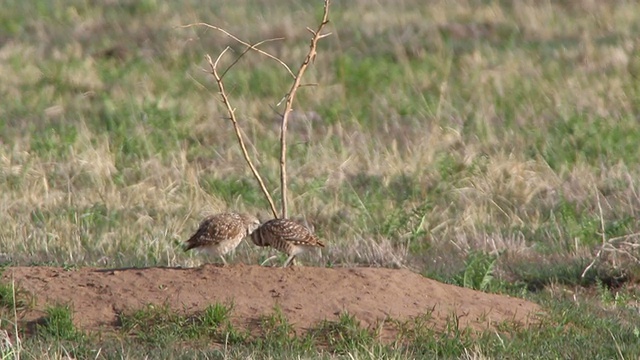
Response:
column 451, row 138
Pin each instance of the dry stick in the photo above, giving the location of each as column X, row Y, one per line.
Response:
column 253, row 47
column 604, row 237
column 225, row 99
column 249, row 46
column 232, row 117
column 289, row 103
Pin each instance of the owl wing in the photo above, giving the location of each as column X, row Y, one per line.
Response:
column 297, row 233
column 215, row 229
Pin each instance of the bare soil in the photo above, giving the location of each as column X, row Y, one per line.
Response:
column 306, row 295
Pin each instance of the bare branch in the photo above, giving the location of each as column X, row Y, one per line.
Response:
column 249, row 46
column 246, row 51
column 289, row 103
column 604, row 237
column 236, row 127
column 214, row 66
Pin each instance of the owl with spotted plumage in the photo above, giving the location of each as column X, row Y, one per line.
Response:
column 220, row 234
column 288, row 236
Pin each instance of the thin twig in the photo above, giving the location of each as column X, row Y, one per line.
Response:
column 232, row 117
column 604, row 237
column 249, row 46
column 311, row 55
column 623, row 237
column 615, row 342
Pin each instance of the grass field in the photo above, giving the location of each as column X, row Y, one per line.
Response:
column 489, row 144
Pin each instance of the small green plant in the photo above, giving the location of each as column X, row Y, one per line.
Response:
column 233, row 335
column 416, row 330
column 159, row 324
column 153, row 324
column 478, row 272
column 276, row 328
column 611, row 297
column 344, row 335
column 448, row 343
column 58, row 324
column 278, row 336
column 7, row 296
column 6, row 293
column 215, row 315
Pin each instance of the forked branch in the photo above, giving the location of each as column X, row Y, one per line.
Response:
column 317, row 35
column 236, row 127
column 311, row 55
column 253, row 47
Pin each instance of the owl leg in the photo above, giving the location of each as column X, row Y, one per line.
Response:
column 290, row 261
column 269, row 259
column 224, row 262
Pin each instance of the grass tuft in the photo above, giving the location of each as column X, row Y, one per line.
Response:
column 277, row 335
column 58, row 324
column 161, row 324
column 344, row 335
column 478, row 272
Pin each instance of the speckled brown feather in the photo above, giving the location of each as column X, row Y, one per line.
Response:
column 285, row 230
column 221, row 233
column 287, row 236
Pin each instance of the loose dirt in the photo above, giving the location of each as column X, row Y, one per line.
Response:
column 306, row 295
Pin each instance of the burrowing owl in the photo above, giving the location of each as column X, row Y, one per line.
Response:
column 286, row 235
column 221, row 233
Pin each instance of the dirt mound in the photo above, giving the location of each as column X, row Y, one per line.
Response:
column 306, row 295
